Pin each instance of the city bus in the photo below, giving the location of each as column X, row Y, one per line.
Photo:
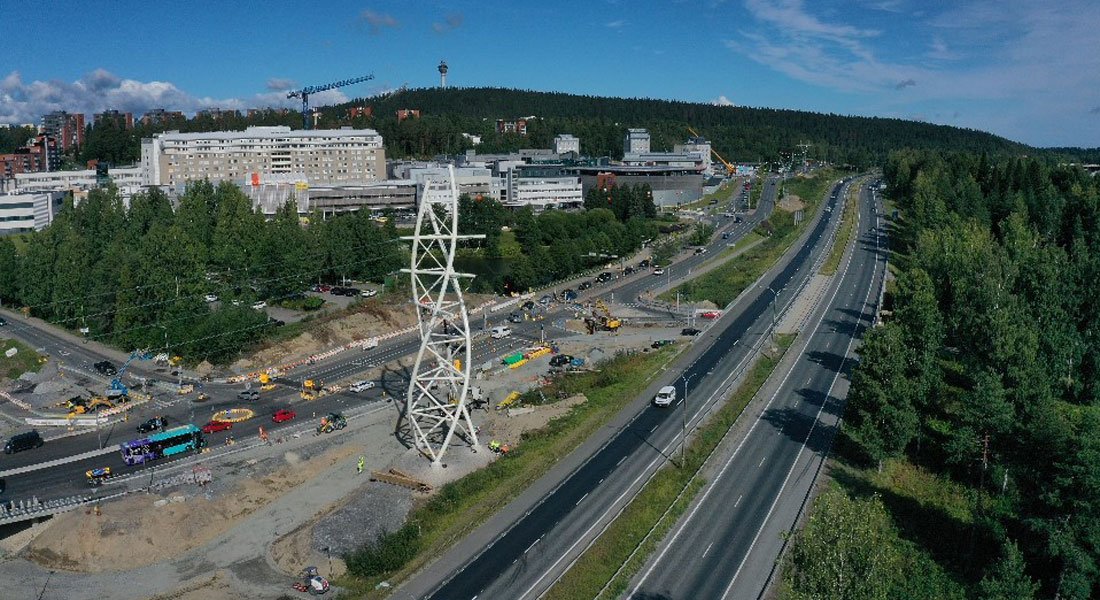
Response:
column 159, row 445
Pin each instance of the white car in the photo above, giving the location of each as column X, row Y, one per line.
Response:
column 259, row 305
column 368, row 293
column 658, row 271
column 665, row 396
column 211, row 298
column 360, row 386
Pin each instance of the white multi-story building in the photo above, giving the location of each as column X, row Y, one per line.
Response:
column 567, row 143
column 28, row 211
column 127, row 179
column 699, row 146
column 475, row 181
column 636, row 142
column 685, row 160
column 541, row 187
column 329, row 157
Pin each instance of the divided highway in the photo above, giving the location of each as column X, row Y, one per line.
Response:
column 727, row 543
column 559, row 516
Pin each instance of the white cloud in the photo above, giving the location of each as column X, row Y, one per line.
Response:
column 377, row 21
column 722, row 100
column 280, row 84
column 26, row 102
column 616, row 24
column 452, row 22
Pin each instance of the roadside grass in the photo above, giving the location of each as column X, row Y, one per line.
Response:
column 847, row 226
column 757, row 190
column 459, row 507
column 636, row 533
column 746, row 240
column 722, row 194
column 25, row 359
column 936, row 533
column 509, row 247
column 722, row 284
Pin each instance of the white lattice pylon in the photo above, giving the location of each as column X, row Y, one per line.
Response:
column 436, row 402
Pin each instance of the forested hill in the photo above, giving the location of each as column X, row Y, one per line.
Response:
column 739, row 133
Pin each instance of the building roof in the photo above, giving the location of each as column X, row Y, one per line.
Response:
column 280, row 131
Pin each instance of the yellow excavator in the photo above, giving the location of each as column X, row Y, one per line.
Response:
column 608, row 322
column 266, row 384
column 80, row 406
column 311, row 390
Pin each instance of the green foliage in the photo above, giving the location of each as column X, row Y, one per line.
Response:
column 26, row 360
column 993, row 343
column 701, row 235
column 389, row 552
column 138, row 278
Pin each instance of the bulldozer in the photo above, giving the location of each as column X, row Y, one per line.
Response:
column 266, row 384
column 80, row 406
column 602, row 319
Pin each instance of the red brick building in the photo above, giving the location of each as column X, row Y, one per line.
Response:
column 66, row 128
column 408, row 113
column 514, row 126
column 123, row 120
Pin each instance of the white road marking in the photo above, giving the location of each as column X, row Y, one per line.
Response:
column 738, row 500
column 582, row 498
column 762, row 462
column 707, row 550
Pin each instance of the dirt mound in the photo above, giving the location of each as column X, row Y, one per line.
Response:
column 792, row 203
column 135, row 531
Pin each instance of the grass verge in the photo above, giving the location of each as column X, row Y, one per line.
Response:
column 25, row 359
column 660, row 503
column 927, row 538
column 459, row 507
column 722, row 284
column 847, row 226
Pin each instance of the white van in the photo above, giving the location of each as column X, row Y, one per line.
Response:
column 500, row 332
column 665, row 396
column 360, row 386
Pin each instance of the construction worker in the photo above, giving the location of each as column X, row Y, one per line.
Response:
column 361, row 464
column 263, row 434
column 494, row 446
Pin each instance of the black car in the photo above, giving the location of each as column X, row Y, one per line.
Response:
column 515, row 318
column 584, row 285
column 737, row 219
column 528, row 305
column 104, row 367
column 560, row 360
column 628, row 271
column 660, row 344
column 726, row 235
column 645, row 263
column 24, row 441
column 690, row 331
column 154, row 424
column 569, row 295
column 604, row 277
column 3, row 322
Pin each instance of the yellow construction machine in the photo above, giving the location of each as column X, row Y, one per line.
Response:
column 311, row 390
column 266, row 384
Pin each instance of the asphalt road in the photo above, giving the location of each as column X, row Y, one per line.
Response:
column 68, row 478
column 727, row 543
column 533, row 551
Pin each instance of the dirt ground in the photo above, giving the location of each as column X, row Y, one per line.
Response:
column 792, row 203
column 123, row 536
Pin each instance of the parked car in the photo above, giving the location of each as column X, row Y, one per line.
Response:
column 569, row 295
column 584, row 285
column 701, row 250
column 604, row 277
column 104, row 367
column 211, row 298
column 276, row 322
column 628, row 271
column 283, row 415
column 259, row 305
column 24, row 441
column 665, row 396
column 515, row 318
column 658, row 271
column 154, row 424
column 645, row 263
column 3, row 322
column 545, row 300
column 660, row 344
column 249, row 395
column 690, row 331
column 711, row 314
column 321, row 287
column 560, row 360
column 360, row 386
column 368, row 293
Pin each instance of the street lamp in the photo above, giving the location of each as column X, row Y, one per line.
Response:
column 775, row 296
column 684, row 426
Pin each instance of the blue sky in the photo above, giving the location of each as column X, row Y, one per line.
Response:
column 1023, row 69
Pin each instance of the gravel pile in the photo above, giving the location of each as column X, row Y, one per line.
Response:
column 379, row 507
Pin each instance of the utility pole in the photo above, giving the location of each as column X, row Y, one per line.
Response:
column 684, row 425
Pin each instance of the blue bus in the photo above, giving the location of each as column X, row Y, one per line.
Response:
column 159, row 445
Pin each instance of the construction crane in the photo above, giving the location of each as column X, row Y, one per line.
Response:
column 313, row 89
column 117, row 389
column 730, row 169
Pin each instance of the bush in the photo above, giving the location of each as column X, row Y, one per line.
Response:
column 389, row 553
column 305, row 303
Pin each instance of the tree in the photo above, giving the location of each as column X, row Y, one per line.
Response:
column 1007, row 579
column 883, row 419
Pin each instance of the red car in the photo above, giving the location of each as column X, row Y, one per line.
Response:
column 216, row 426
column 711, row 314
column 283, row 415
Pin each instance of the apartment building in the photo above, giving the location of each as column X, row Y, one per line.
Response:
column 32, row 211
column 66, row 128
column 324, row 157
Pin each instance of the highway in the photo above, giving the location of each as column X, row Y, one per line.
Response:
column 68, row 479
column 729, row 539
column 560, row 515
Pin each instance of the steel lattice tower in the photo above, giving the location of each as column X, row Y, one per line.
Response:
column 435, row 407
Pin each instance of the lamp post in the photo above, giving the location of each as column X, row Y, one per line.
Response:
column 684, row 425
column 775, row 296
